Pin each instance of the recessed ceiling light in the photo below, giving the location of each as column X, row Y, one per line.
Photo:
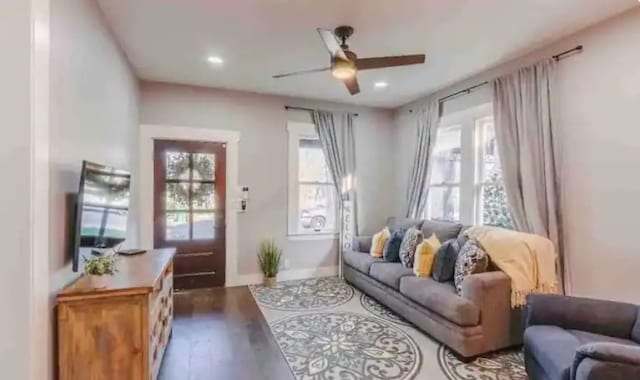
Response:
column 380, row 84
column 215, row 60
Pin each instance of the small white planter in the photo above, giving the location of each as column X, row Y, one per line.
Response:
column 97, row 281
column 270, row 282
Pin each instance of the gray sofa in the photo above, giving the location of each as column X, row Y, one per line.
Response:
column 569, row 338
column 478, row 321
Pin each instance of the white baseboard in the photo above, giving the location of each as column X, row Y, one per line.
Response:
column 292, row 274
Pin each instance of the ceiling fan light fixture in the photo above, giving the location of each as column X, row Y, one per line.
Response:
column 342, row 69
column 215, row 60
column 380, row 84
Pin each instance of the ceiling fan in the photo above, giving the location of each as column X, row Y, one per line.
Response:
column 345, row 63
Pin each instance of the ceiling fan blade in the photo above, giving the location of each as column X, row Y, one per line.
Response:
column 382, row 62
column 352, row 85
column 302, row 72
column 332, row 44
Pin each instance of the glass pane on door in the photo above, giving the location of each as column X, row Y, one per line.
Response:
column 203, row 197
column 177, row 165
column 177, row 196
column 190, row 197
column 204, row 167
column 203, row 225
column 177, row 226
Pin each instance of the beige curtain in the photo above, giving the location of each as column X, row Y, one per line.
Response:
column 528, row 151
column 337, row 139
column 428, row 118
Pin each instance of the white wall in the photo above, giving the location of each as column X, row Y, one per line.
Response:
column 15, row 200
column 597, row 109
column 261, row 121
column 94, row 116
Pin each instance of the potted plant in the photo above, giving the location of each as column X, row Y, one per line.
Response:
column 269, row 257
column 97, row 268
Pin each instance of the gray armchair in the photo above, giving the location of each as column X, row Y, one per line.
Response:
column 569, row 338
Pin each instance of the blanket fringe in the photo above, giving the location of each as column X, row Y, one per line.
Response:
column 519, row 297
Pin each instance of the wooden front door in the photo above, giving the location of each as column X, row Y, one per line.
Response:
column 189, row 209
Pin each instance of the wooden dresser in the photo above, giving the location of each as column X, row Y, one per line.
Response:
column 118, row 332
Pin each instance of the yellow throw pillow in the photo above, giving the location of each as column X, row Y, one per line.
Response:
column 425, row 255
column 378, row 242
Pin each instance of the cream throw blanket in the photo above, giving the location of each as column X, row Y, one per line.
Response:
column 529, row 260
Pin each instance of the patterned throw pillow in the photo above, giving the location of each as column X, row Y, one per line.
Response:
column 410, row 241
column 391, row 252
column 378, row 242
column 471, row 259
column 444, row 265
column 425, row 255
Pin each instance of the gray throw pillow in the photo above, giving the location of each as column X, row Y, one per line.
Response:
column 471, row 259
column 411, row 239
column 391, row 251
column 444, row 264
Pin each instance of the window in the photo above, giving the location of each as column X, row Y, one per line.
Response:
column 444, row 193
column 466, row 180
column 491, row 197
column 313, row 200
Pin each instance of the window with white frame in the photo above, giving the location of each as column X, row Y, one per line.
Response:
column 313, row 200
column 466, row 181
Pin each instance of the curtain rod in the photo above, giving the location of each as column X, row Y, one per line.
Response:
column 307, row 109
column 468, row 90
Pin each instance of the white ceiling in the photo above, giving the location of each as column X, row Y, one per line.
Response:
column 169, row 40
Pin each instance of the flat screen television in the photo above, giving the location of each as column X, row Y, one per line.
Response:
column 102, row 208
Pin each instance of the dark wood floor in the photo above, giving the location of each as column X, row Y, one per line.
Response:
column 221, row 334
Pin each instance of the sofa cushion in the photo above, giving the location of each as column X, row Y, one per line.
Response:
column 391, row 251
column 425, row 256
column 555, row 348
column 635, row 331
column 378, row 242
column 608, row 352
column 441, row 298
column 471, row 259
column 443, row 230
column 585, row 337
column 360, row 261
column 361, row 243
column 444, row 264
column 462, row 236
column 395, row 224
column 410, row 241
column 389, row 273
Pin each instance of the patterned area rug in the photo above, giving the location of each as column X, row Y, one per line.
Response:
column 326, row 330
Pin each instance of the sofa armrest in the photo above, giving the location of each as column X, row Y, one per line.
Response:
column 477, row 287
column 491, row 293
column 609, row 318
column 606, row 361
column 362, row 243
column 610, row 352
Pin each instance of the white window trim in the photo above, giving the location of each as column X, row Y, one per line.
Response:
column 471, row 148
column 297, row 131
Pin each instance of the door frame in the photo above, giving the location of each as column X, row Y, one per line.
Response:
column 149, row 133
